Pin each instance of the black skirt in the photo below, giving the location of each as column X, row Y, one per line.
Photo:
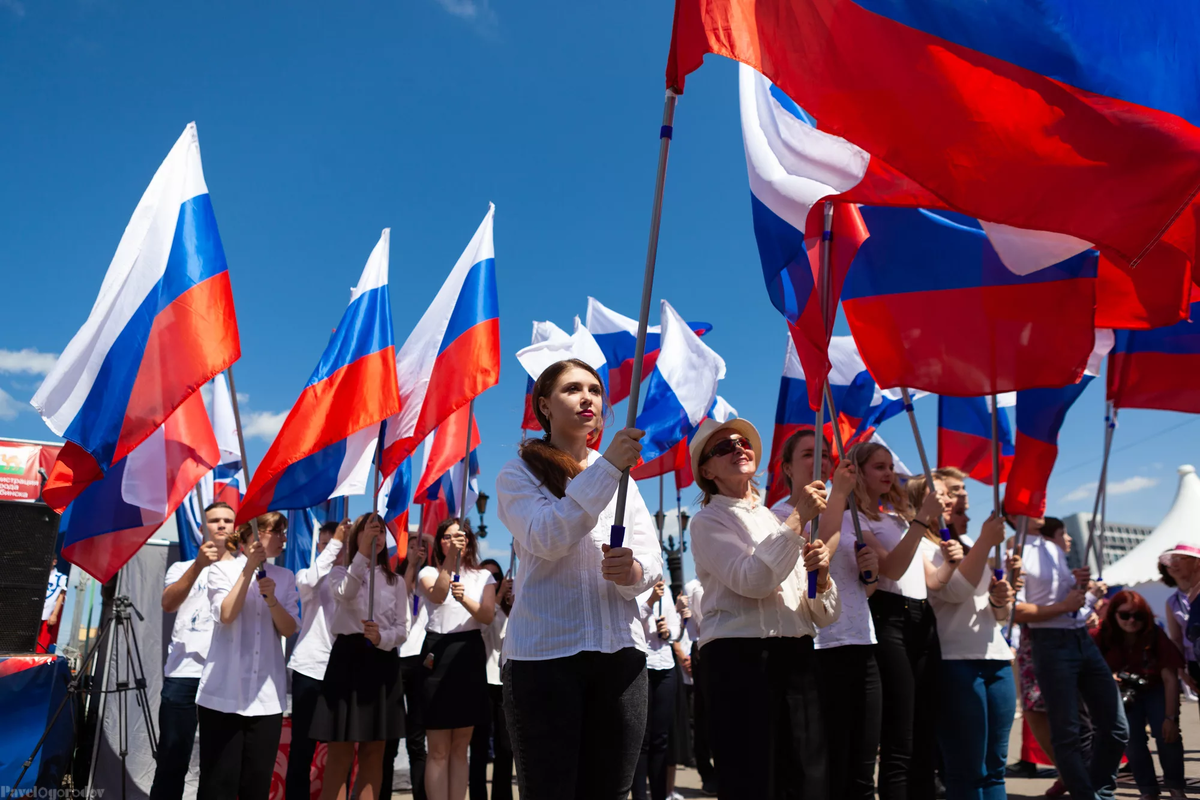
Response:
column 454, row 686
column 362, row 696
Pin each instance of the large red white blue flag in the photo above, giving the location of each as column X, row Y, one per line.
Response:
column 965, row 435
column 162, row 326
column 453, row 354
column 327, row 443
column 1062, row 117
column 1158, row 368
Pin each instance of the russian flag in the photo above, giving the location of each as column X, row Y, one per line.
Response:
column 327, row 442
column 682, row 388
column 1065, row 116
column 792, row 168
column 440, row 501
column 453, row 354
column 542, row 331
column 228, row 477
column 558, row 346
column 303, row 527
column 162, row 326
column 678, row 458
column 965, row 436
column 392, row 504
column 113, row 517
column 1158, row 368
column 932, row 306
column 617, row 336
column 447, row 446
column 1040, row 416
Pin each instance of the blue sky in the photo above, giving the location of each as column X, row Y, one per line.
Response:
column 321, row 124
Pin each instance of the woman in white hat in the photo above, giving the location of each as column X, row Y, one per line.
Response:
column 1181, row 568
column 765, row 713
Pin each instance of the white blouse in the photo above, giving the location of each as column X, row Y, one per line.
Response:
column 192, row 632
column 565, row 605
column 755, row 585
column 660, row 655
column 311, row 655
column 854, row 625
column 889, row 530
column 967, row 628
column 451, row 616
column 245, row 673
column 694, row 591
column 493, row 644
column 351, row 601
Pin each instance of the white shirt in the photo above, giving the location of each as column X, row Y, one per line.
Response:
column 193, row 629
column 451, row 616
column 311, row 655
column 417, row 624
column 854, row 625
column 55, row 585
column 493, row 643
column 352, row 599
column 245, row 673
column 565, row 605
column 889, row 530
column 755, row 585
column 1048, row 580
column 967, row 628
column 694, row 591
column 660, row 655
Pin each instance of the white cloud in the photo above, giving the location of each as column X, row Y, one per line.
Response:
column 263, row 424
column 28, row 361
column 15, row 6
column 1128, row 486
column 8, row 406
column 478, row 12
column 491, row 549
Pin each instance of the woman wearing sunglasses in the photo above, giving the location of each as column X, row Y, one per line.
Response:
column 1146, row 663
column 765, row 714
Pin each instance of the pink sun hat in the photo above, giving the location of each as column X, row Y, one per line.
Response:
column 1181, row 549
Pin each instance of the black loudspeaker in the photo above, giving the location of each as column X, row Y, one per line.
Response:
column 27, row 535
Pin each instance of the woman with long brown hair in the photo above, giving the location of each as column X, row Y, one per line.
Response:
column 462, row 602
column 575, row 676
column 362, row 698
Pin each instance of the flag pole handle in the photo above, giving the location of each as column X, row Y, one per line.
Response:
column 237, row 418
column 943, row 528
column 374, row 545
column 1022, row 532
column 1096, row 530
column 998, row 569
column 617, row 535
column 859, row 544
column 462, row 502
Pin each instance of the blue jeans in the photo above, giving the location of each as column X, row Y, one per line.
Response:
column 176, row 735
column 1069, row 667
column 978, row 702
column 1149, row 706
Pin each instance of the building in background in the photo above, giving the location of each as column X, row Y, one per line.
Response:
column 1119, row 538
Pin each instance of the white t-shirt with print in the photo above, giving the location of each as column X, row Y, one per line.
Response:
column 193, row 629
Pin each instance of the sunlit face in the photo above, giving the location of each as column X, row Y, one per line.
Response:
column 800, row 469
column 273, row 538
column 219, row 523
column 879, row 474
column 947, row 500
column 575, row 404
column 1130, row 619
column 956, row 489
column 728, row 459
column 447, row 548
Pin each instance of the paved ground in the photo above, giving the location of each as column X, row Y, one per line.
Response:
column 688, row 781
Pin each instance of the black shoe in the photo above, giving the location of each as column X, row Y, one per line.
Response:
column 1021, row 769
column 709, row 789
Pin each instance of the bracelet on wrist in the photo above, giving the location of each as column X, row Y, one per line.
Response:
column 921, row 523
column 993, row 605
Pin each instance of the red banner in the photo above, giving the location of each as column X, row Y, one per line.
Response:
column 19, row 464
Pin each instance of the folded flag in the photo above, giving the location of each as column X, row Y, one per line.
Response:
column 228, row 477
column 965, row 436
column 617, row 336
column 453, row 354
column 677, row 459
column 1040, row 416
column 932, row 306
column 113, row 517
column 1158, row 368
column 542, row 331
column 162, row 326
column 558, row 346
column 682, row 387
column 327, row 443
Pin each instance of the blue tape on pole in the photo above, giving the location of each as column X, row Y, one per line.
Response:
column 945, row 532
column 616, row 538
column 812, row 585
column 827, row 235
column 908, row 407
column 666, row 132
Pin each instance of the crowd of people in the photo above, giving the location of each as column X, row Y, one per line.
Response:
column 846, row 641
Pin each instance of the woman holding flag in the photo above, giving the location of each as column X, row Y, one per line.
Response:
column 462, row 602
column 759, row 621
column 361, row 705
column 575, row 676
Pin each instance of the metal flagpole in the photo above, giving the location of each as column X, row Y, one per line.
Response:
column 1022, row 532
column 841, row 450
column 943, row 527
column 462, row 505
column 1097, row 516
column 617, row 536
column 660, row 519
column 237, row 418
column 998, row 569
column 819, row 432
column 371, row 562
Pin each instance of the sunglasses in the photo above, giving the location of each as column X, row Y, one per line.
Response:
column 727, row 446
column 1125, row 616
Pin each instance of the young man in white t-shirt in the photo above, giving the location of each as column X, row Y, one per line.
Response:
column 186, row 595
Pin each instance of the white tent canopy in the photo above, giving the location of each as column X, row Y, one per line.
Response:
column 1181, row 524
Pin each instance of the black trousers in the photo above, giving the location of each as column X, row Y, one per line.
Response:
column 766, row 722
column 176, row 737
column 495, row 734
column 909, row 659
column 702, row 747
column 305, row 691
column 237, row 755
column 852, row 707
column 660, row 718
column 577, row 723
column 414, row 733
